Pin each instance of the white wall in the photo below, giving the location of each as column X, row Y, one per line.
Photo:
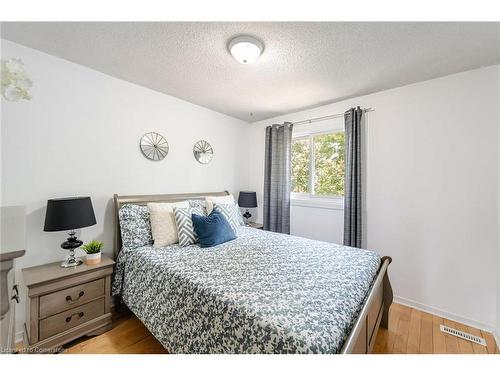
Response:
column 432, row 185
column 324, row 224
column 79, row 135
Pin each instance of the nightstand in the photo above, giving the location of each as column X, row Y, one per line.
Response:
column 256, row 225
column 64, row 304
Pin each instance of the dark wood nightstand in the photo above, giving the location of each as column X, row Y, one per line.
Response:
column 64, row 304
column 256, row 225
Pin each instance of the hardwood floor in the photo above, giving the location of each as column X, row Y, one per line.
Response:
column 413, row 331
column 410, row 331
column 128, row 336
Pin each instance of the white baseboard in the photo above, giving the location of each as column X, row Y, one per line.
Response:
column 445, row 314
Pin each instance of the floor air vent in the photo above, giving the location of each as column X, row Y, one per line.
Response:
column 463, row 335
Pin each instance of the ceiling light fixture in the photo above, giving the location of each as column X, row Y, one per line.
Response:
column 245, row 49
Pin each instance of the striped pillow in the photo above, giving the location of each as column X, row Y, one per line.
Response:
column 184, row 223
column 198, row 204
column 231, row 212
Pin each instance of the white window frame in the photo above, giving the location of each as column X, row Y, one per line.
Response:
column 310, row 199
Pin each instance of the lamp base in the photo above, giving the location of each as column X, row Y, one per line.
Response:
column 71, row 244
column 247, row 215
column 71, row 262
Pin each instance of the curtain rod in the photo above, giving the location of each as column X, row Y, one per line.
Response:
column 329, row 117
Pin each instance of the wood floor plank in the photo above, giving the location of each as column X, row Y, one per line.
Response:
column 413, row 345
column 426, row 335
column 491, row 345
column 401, row 340
column 115, row 340
column 381, row 342
column 465, row 346
column 451, row 341
column 386, row 337
column 148, row 345
column 438, row 339
column 478, row 349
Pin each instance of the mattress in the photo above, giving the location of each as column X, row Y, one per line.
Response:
column 263, row 292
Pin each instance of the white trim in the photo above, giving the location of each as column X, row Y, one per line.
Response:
column 299, row 196
column 327, row 204
column 309, row 134
column 445, row 314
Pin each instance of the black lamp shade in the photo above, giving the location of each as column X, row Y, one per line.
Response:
column 69, row 213
column 247, row 199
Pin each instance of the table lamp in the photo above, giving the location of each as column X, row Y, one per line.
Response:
column 69, row 214
column 247, row 199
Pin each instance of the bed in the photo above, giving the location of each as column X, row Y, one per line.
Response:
column 261, row 293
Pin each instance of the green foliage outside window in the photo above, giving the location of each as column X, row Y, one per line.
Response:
column 328, row 164
column 300, row 165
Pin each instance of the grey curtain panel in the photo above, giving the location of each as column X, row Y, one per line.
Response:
column 277, row 178
column 352, row 184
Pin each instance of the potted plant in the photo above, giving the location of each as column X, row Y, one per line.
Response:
column 93, row 250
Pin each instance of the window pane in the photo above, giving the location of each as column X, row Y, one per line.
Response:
column 329, row 164
column 300, row 165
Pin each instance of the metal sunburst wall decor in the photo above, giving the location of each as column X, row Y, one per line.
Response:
column 154, row 146
column 203, row 152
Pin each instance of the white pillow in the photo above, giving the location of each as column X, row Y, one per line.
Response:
column 163, row 225
column 223, row 199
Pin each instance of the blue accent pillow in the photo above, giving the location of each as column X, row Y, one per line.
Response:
column 213, row 229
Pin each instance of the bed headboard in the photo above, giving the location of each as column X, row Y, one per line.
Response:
column 143, row 200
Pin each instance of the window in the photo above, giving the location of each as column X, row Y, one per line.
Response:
column 318, row 164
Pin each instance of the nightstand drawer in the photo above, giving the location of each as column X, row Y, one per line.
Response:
column 65, row 299
column 68, row 319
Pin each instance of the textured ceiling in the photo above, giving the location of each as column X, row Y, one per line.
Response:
column 303, row 64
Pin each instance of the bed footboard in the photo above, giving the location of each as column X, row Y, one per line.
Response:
column 375, row 313
column 386, row 283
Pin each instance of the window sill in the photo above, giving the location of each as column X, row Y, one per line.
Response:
column 323, row 203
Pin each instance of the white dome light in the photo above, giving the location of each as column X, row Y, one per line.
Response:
column 245, row 49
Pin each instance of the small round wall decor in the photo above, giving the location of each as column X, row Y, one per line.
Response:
column 203, row 152
column 154, row 146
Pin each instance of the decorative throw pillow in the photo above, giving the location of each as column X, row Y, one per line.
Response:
column 163, row 227
column 201, row 204
column 213, row 229
column 232, row 214
column 227, row 199
column 135, row 226
column 184, row 223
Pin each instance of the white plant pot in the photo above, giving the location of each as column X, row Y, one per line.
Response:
column 93, row 258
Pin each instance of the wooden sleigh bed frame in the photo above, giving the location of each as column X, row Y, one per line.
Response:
column 374, row 313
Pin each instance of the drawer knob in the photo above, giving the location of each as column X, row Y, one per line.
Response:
column 79, row 315
column 70, row 299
